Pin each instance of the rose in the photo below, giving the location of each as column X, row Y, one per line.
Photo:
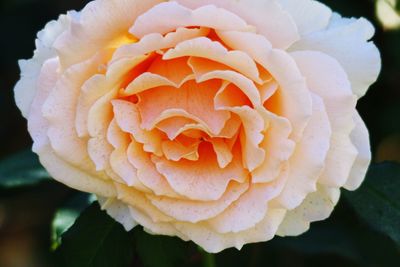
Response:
column 219, row 121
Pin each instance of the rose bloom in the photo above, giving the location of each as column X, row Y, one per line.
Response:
column 224, row 122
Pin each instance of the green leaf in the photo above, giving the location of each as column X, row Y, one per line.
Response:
column 159, row 251
column 378, row 199
column 22, row 169
column 96, row 240
column 65, row 216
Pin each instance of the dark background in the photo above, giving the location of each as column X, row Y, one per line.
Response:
column 343, row 240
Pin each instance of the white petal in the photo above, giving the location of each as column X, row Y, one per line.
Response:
column 72, row 176
column 88, row 34
column 25, row 89
column 347, row 41
column 327, row 79
column 117, row 210
column 168, row 16
column 360, row 138
column 308, row 159
column 266, row 15
column 316, row 206
column 309, row 15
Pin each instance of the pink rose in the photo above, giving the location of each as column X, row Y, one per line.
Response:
column 224, row 122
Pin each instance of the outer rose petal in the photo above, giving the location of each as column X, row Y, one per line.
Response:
column 309, row 15
column 265, row 15
column 72, row 176
column 250, row 209
column 214, row 242
column 360, row 139
column 60, row 111
column 195, row 211
column 346, row 41
column 30, row 69
column 168, row 16
column 203, row 179
column 37, row 125
column 307, row 161
column 327, row 79
column 88, row 34
column 118, row 210
column 317, row 206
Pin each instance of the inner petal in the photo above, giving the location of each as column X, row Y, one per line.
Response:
column 205, row 48
column 176, row 70
column 202, row 179
column 194, row 98
column 128, row 119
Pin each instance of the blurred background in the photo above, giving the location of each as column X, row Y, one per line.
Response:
column 26, row 212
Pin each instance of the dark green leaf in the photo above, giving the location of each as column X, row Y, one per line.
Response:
column 96, row 240
column 22, row 169
column 67, row 215
column 159, row 251
column 378, row 199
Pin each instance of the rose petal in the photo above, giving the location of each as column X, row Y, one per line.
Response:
column 360, row 139
column 87, row 34
column 173, row 150
column 214, row 242
column 316, row 207
column 222, row 150
column 175, row 70
column 117, row 210
column 60, row 111
column 202, row 179
column 139, row 201
column 251, row 136
column 205, row 48
column 37, row 125
column 346, row 41
column 294, row 99
column 266, row 15
column 308, row 160
column 128, row 119
column 156, row 42
column 195, row 211
column 73, row 177
column 194, row 98
column 277, row 146
column 31, row 68
column 99, row 118
column 249, row 209
column 328, row 80
column 309, row 15
column 147, row 172
column 168, row 16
